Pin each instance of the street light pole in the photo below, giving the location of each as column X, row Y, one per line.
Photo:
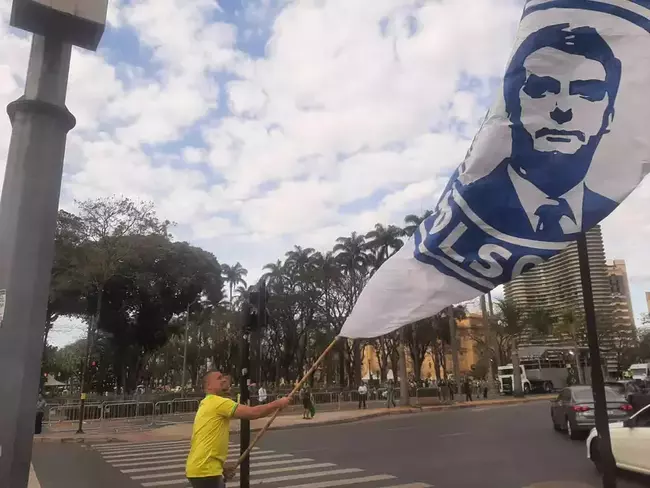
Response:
column 187, row 326
column 28, row 211
column 597, row 380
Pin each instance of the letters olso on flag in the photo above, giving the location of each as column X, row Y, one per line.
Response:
column 565, row 142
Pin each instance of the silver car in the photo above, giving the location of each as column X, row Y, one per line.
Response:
column 573, row 410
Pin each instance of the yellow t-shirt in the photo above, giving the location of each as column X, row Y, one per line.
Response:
column 210, row 436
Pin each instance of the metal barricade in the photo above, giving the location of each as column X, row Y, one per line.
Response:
column 65, row 418
column 179, row 410
column 116, row 413
column 427, row 396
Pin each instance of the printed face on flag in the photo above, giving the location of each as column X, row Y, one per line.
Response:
column 563, row 145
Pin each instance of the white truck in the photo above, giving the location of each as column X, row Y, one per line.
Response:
column 533, row 379
column 640, row 371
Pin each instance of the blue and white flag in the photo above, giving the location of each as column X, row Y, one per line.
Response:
column 566, row 142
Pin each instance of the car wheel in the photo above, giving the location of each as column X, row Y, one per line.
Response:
column 548, row 387
column 526, row 389
column 595, row 455
column 573, row 435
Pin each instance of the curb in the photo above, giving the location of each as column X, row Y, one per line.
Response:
column 383, row 413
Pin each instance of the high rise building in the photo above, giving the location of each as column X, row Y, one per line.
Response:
column 556, row 287
column 623, row 325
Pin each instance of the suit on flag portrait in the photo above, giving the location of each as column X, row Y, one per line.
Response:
column 564, row 143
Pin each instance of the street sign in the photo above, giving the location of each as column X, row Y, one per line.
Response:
column 3, row 300
column 77, row 22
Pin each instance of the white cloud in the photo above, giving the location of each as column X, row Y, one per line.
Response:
column 329, row 132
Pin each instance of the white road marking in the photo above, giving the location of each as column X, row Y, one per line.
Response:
column 345, row 482
column 277, row 479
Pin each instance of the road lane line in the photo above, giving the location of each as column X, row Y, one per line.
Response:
column 277, row 479
column 455, row 434
column 155, row 455
column 410, row 485
column 345, row 482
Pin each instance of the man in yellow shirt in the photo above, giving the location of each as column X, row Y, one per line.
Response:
column 211, row 431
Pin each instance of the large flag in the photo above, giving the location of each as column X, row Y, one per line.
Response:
column 566, row 141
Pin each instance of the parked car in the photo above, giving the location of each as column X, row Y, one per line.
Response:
column 573, row 410
column 624, row 387
column 630, row 443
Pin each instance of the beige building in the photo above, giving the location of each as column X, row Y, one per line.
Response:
column 647, row 299
column 470, row 334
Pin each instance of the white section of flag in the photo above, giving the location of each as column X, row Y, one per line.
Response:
column 402, row 291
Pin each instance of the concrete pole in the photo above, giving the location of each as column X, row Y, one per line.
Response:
column 184, row 372
column 489, row 340
column 453, row 335
column 28, row 212
column 404, row 399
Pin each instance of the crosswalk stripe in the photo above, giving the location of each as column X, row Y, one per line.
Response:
column 252, row 473
column 345, row 482
column 277, row 479
column 158, row 454
column 129, row 446
column 111, row 457
column 176, row 466
column 291, row 468
column 259, row 455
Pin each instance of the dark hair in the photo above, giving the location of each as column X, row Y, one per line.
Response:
column 583, row 41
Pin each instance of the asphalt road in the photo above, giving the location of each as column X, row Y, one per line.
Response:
column 486, row 447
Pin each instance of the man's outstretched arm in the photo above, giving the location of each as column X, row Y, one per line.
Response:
column 251, row 413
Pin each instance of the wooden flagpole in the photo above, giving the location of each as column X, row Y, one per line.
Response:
column 293, row 392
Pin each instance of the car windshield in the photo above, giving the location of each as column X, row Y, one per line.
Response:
column 639, row 371
column 585, row 395
column 505, row 371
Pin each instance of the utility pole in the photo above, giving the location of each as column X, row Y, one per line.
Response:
column 28, row 212
column 489, row 339
column 247, row 319
column 453, row 335
column 184, row 371
column 404, row 399
column 597, row 380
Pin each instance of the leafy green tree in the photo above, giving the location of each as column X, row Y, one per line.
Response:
column 512, row 324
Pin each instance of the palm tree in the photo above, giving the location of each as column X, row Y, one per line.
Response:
column 273, row 272
column 383, row 240
column 512, row 324
column 571, row 324
column 233, row 276
column 413, row 221
column 300, row 260
column 351, row 254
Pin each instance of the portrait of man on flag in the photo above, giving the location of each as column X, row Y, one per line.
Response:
column 560, row 93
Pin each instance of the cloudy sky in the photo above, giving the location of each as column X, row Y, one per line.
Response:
column 260, row 124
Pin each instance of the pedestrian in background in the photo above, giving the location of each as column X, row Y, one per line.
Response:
column 41, row 405
column 363, row 394
column 390, row 394
column 467, row 386
column 261, row 395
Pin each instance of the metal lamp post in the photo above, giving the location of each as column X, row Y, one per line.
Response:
column 187, row 327
column 28, row 210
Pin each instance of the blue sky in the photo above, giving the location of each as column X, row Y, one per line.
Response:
column 262, row 124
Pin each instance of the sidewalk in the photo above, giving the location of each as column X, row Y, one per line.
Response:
column 184, row 430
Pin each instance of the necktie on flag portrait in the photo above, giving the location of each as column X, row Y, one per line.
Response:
column 565, row 142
